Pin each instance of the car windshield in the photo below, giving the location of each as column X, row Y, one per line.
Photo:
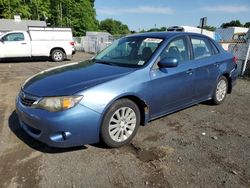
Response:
column 129, row 51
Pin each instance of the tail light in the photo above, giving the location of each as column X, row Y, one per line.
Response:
column 235, row 59
column 72, row 43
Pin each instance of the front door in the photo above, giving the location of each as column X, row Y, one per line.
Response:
column 14, row 45
column 172, row 88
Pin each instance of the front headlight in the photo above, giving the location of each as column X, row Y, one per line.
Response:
column 55, row 104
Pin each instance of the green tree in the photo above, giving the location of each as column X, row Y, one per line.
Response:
column 83, row 17
column 9, row 8
column 114, row 27
column 233, row 23
column 247, row 24
column 157, row 29
column 209, row 28
column 40, row 9
column 80, row 15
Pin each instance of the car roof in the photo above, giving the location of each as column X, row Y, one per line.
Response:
column 164, row 35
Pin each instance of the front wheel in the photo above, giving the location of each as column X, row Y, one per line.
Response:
column 57, row 55
column 120, row 123
column 220, row 90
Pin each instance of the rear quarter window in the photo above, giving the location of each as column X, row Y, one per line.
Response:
column 215, row 49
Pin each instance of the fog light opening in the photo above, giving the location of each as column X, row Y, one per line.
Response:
column 64, row 136
column 60, row 136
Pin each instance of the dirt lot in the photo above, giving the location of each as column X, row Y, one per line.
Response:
column 202, row 146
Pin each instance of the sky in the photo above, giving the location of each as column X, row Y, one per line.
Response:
column 146, row 14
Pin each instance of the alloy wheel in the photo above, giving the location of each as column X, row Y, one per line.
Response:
column 221, row 90
column 122, row 124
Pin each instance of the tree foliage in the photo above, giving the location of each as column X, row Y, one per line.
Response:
column 209, row 28
column 78, row 14
column 247, row 24
column 114, row 27
column 235, row 23
column 157, row 29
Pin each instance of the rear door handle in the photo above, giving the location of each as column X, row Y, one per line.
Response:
column 189, row 71
column 24, row 43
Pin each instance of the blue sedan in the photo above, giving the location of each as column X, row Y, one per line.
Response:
column 137, row 79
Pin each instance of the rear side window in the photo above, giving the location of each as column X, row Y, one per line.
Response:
column 201, row 48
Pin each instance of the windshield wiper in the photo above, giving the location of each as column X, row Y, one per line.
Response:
column 104, row 62
column 115, row 64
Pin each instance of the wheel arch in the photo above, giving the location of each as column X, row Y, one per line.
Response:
column 142, row 105
column 57, row 48
column 229, row 80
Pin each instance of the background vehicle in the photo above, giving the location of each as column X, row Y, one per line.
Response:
column 191, row 29
column 136, row 79
column 240, row 47
column 56, row 43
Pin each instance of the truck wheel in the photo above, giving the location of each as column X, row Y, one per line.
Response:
column 57, row 55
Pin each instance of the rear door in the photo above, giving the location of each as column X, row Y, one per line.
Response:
column 206, row 67
column 172, row 88
column 15, row 44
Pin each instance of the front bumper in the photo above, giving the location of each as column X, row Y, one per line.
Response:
column 73, row 127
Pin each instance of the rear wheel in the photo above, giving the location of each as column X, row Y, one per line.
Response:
column 220, row 90
column 120, row 123
column 57, row 55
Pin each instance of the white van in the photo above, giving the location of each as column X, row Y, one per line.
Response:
column 190, row 29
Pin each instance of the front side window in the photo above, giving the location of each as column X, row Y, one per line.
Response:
column 176, row 49
column 129, row 51
column 201, row 48
column 14, row 37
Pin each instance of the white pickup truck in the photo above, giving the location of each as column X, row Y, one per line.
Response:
column 56, row 43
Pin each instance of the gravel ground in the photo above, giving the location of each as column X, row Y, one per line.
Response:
column 201, row 146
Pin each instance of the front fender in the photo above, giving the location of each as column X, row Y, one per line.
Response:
column 101, row 97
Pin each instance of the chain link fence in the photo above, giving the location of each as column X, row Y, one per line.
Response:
column 87, row 44
column 93, row 42
column 238, row 43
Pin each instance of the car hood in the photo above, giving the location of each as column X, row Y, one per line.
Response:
column 69, row 79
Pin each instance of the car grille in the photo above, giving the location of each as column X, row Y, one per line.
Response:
column 27, row 100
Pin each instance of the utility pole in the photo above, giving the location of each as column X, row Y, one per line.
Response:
column 203, row 23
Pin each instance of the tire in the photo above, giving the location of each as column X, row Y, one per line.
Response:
column 57, row 55
column 220, row 91
column 118, row 131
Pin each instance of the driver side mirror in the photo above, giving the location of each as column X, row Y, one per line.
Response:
column 1, row 40
column 168, row 62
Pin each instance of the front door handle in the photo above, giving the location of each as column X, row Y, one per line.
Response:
column 189, row 71
column 24, row 43
column 217, row 64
